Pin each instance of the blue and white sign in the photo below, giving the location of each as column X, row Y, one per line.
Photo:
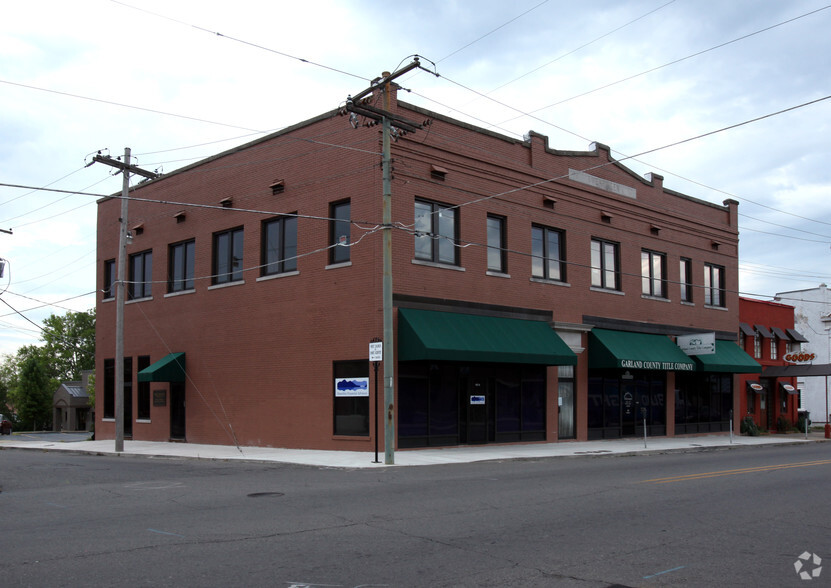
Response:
column 351, row 387
column 477, row 399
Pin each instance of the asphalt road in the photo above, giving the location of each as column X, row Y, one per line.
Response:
column 740, row 517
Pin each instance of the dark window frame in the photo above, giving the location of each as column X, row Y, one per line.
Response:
column 497, row 234
column 280, row 257
column 549, row 262
column 714, row 287
column 431, row 242
column 600, row 273
column 686, row 273
column 143, row 394
column 141, row 275
column 652, row 285
column 340, row 226
column 180, row 266
column 228, row 269
column 109, row 279
column 350, row 415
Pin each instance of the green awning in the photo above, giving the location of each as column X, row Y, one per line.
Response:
column 639, row 351
column 170, row 368
column 450, row 336
column 729, row 358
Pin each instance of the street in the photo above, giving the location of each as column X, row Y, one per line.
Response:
column 739, row 517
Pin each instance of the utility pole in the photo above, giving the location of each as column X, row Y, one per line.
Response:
column 126, row 169
column 354, row 106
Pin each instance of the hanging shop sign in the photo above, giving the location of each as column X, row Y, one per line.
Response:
column 799, row 357
column 698, row 344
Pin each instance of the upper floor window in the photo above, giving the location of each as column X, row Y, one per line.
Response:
column 180, row 264
column 757, row 346
column 653, row 273
column 279, row 245
column 339, row 231
column 605, row 258
column 774, row 349
column 686, row 280
column 227, row 256
column 436, row 232
column 547, row 254
column 497, row 253
column 141, row 275
column 714, row 285
column 109, row 279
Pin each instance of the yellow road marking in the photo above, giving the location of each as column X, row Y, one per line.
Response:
column 705, row 475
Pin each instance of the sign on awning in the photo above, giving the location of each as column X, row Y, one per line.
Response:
column 698, row 344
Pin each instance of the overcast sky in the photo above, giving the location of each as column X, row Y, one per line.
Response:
column 177, row 81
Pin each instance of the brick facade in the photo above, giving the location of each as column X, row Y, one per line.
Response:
column 260, row 351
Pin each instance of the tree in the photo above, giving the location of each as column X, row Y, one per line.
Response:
column 32, row 394
column 70, row 344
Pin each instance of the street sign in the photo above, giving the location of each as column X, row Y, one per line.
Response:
column 376, row 351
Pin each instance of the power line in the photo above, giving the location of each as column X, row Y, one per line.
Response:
column 241, row 41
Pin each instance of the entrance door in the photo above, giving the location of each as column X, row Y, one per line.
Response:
column 477, row 411
column 628, row 408
column 177, row 410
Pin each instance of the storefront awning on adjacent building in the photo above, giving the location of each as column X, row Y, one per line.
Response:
column 754, row 386
column 624, row 350
column 451, row 336
column 729, row 358
column 796, row 336
column 170, row 368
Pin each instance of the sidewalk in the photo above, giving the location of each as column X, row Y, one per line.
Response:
column 413, row 457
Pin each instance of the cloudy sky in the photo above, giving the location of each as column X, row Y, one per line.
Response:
column 179, row 80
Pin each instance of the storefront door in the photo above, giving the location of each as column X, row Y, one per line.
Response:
column 177, row 410
column 477, row 412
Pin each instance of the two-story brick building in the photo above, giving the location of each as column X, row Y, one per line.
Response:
column 537, row 293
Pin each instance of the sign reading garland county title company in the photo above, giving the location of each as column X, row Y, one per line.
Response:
column 698, row 344
column 676, row 366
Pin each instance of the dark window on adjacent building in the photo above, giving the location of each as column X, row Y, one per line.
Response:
column 141, row 275
column 279, row 245
column 143, row 400
column 548, row 254
column 436, row 232
column 497, row 252
column 180, row 263
column 351, row 398
column 686, row 280
column 109, row 279
column 605, row 259
column 653, row 273
column 714, row 285
column 227, row 256
column 339, row 231
column 109, row 388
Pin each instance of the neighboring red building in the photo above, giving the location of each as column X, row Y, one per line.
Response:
column 537, row 293
column 767, row 334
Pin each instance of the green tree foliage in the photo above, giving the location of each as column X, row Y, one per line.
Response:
column 29, row 378
column 70, row 344
column 32, row 394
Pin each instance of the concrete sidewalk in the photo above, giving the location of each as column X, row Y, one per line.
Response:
column 411, row 457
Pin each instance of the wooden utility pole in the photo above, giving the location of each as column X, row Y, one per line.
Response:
column 121, row 272
column 387, row 120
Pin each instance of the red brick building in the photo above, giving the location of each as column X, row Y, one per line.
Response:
column 537, row 293
column 767, row 334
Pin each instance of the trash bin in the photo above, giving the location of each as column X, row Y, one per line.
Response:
column 804, row 414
